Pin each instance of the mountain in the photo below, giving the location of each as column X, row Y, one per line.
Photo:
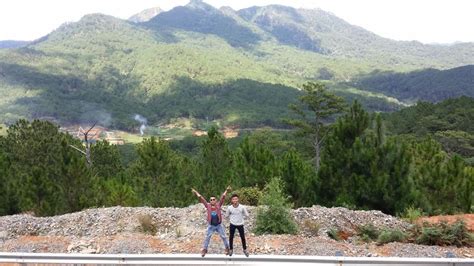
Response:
column 237, row 67
column 145, row 15
column 12, row 44
column 429, row 84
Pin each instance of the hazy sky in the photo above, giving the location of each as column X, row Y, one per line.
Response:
column 428, row 21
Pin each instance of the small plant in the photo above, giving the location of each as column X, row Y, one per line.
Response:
column 179, row 232
column 412, row 214
column 387, row 236
column 311, row 227
column 443, row 234
column 368, row 233
column 334, row 234
column 147, row 225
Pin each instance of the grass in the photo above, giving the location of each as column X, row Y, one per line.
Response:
column 147, row 225
column 311, row 227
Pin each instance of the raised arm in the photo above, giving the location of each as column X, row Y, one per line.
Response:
column 201, row 198
column 221, row 201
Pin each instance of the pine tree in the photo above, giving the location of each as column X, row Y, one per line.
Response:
column 317, row 106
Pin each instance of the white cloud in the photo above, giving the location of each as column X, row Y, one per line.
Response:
column 424, row 20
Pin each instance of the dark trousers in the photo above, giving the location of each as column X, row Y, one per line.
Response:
column 241, row 233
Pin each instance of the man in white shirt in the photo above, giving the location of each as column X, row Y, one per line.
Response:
column 236, row 213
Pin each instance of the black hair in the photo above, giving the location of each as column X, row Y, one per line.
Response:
column 234, row 195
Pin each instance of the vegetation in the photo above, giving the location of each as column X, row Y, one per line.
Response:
column 443, row 234
column 362, row 166
column 274, row 215
column 430, row 85
column 187, row 63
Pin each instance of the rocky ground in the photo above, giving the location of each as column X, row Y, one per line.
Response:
column 181, row 230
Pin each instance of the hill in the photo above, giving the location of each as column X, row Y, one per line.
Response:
column 8, row 44
column 237, row 67
column 427, row 85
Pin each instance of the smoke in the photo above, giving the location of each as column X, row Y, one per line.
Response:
column 143, row 121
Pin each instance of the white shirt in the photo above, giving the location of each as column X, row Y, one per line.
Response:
column 236, row 214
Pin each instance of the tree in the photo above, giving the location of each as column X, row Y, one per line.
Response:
column 317, row 106
column 254, row 164
column 155, row 172
column 273, row 215
column 216, row 163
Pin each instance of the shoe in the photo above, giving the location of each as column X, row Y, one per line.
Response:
column 231, row 252
column 246, row 253
column 226, row 251
column 203, row 252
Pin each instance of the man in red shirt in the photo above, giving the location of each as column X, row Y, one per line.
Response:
column 214, row 219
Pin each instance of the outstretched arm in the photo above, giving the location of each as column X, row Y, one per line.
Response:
column 201, row 198
column 221, row 201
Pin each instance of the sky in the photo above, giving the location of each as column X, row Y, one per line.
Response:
column 427, row 21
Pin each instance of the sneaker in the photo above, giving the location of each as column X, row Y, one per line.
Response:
column 226, row 251
column 246, row 253
column 231, row 252
column 203, row 252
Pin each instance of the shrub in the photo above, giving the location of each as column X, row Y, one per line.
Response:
column 368, row 233
column 274, row 215
column 311, row 227
column 412, row 214
column 147, row 225
column 249, row 195
column 443, row 234
column 387, row 236
column 334, row 234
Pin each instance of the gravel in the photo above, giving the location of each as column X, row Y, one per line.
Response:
column 181, row 230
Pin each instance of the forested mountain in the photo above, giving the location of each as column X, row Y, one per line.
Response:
column 429, row 85
column 239, row 67
column 12, row 44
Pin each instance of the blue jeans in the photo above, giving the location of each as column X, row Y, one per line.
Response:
column 215, row 228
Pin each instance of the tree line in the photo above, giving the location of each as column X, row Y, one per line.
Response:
column 352, row 162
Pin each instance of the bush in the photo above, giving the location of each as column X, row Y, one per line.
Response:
column 334, row 234
column 443, row 234
column 249, row 195
column 311, row 227
column 412, row 214
column 368, row 233
column 147, row 225
column 387, row 236
column 274, row 215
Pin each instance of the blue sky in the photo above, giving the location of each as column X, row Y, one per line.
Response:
column 435, row 21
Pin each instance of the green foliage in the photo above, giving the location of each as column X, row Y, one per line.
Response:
column 249, row 195
column 412, row 214
column 334, row 234
column 360, row 166
column 443, row 234
column 274, row 215
column 431, row 85
column 316, row 107
column 387, row 236
column 368, row 232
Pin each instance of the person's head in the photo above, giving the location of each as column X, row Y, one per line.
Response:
column 234, row 199
column 212, row 201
